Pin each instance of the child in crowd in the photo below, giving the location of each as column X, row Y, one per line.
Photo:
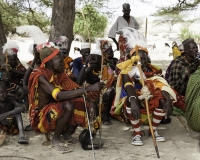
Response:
column 10, row 116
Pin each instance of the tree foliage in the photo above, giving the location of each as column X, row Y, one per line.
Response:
column 93, row 21
column 186, row 33
column 169, row 20
column 99, row 4
column 21, row 12
column 180, row 6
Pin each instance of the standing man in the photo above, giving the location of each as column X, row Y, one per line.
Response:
column 123, row 21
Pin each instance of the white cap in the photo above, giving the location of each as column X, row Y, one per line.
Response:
column 96, row 51
column 11, row 47
column 85, row 45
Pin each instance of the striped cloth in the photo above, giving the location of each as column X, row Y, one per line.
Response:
column 44, row 119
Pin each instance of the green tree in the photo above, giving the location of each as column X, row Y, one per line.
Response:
column 2, row 38
column 179, row 6
column 21, row 12
column 168, row 20
column 95, row 22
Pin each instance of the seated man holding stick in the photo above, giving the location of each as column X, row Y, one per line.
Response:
column 53, row 106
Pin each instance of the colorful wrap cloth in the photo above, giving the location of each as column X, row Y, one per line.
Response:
column 44, row 119
column 125, row 67
column 67, row 61
column 155, row 84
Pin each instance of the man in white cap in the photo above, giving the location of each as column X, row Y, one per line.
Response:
column 123, row 21
column 12, row 63
column 80, row 61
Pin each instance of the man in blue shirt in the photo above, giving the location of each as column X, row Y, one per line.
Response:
column 79, row 62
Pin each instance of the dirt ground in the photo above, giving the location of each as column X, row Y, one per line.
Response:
column 179, row 145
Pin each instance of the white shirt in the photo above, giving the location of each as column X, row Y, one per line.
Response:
column 121, row 23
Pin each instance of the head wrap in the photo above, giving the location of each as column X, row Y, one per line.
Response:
column 85, row 45
column 11, row 48
column 126, row 6
column 96, row 51
column 187, row 41
column 133, row 39
column 103, row 42
column 47, row 52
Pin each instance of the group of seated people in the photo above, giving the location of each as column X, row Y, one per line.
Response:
column 58, row 90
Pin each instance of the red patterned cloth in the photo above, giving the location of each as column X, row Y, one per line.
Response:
column 44, row 120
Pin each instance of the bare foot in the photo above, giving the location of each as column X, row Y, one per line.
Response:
column 2, row 137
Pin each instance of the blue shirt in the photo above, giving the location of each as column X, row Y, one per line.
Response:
column 77, row 66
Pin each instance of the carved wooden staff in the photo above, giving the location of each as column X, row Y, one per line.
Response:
column 147, row 108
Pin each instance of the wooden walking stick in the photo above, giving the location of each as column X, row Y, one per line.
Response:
column 146, row 28
column 147, row 108
column 100, row 101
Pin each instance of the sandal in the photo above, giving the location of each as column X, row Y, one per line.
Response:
column 28, row 128
column 63, row 148
column 22, row 140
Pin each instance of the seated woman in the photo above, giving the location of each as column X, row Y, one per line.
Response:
column 10, row 115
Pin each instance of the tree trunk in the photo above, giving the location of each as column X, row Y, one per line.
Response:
column 2, row 39
column 62, row 21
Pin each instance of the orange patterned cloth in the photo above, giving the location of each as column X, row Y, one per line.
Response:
column 44, row 120
column 11, row 129
column 67, row 61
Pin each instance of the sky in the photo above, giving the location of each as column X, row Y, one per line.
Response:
column 138, row 9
